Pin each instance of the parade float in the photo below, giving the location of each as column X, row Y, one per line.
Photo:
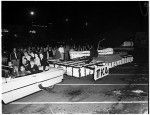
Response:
column 125, row 46
column 16, row 88
column 99, row 68
column 128, row 44
column 107, row 58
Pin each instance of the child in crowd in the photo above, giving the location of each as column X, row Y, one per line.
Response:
column 22, row 71
column 13, row 70
column 33, row 67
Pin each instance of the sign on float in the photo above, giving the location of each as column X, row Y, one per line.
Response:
column 101, row 72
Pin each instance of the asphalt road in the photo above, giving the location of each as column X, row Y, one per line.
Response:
column 124, row 91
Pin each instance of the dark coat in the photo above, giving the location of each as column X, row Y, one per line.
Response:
column 93, row 52
column 34, row 69
column 57, row 54
column 13, row 57
column 50, row 53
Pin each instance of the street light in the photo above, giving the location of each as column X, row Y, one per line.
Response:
column 32, row 13
column 32, row 16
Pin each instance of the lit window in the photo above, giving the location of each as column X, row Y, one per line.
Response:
column 32, row 31
column 5, row 30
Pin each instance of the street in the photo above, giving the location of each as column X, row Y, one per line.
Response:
column 124, row 91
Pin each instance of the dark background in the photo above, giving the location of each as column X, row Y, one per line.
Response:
column 115, row 21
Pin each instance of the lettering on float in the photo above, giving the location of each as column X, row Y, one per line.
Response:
column 119, row 62
column 101, row 72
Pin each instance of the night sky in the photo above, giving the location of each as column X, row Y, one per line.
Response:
column 83, row 18
column 94, row 12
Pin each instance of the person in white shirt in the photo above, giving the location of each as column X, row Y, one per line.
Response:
column 25, row 58
column 61, row 50
column 37, row 60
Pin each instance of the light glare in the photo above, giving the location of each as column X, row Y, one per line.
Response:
column 32, row 13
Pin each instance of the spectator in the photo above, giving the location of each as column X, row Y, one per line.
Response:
column 14, row 57
column 32, row 55
column 13, row 70
column 22, row 71
column 50, row 52
column 33, row 67
column 26, row 64
column 57, row 54
column 93, row 54
column 45, row 53
column 66, row 53
column 38, row 49
column 26, row 56
column 10, row 65
column 43, row 61
column 61, row 50
column 20, row 55
column 54, row 51
column 37, row 60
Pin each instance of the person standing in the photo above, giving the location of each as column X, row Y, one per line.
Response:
column 66, row 53
column 45, row 53
column 57, row 54
column 20, row 55
column 93, row 54
column 14, row 57
column 61, row 50
column 50, row 52
column 54, row 52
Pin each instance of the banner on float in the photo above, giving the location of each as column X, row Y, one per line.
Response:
column 119, row 62
column 100, row 72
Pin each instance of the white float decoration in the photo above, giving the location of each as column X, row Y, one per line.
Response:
column 81, row 69
column 76, row 68
column 78, row 54
column 128, row 44
column 124, row 60
column 13, row 89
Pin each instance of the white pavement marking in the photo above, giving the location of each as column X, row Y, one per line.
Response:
column 128, row 74
column 102, row 84
column 79, row 102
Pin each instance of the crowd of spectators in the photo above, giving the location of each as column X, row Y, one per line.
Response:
column 31, row 60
